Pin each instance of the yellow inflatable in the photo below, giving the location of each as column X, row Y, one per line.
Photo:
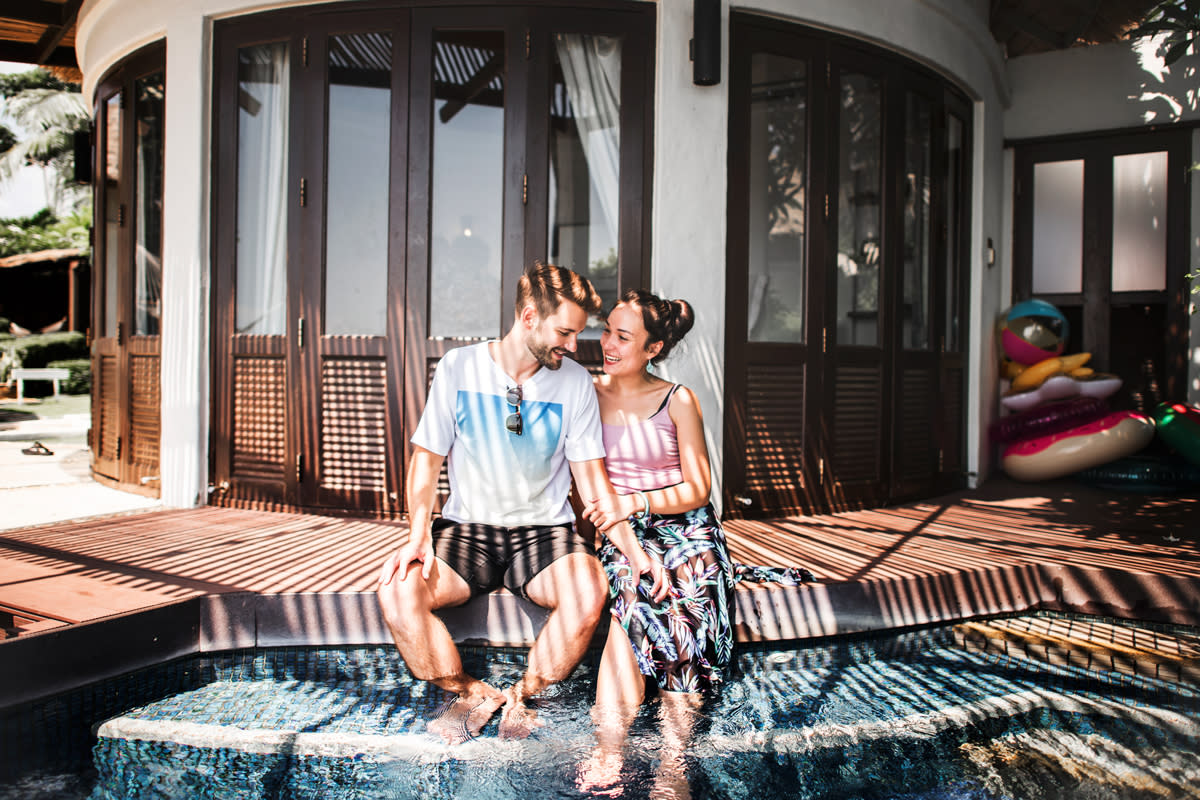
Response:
column 1034, row 376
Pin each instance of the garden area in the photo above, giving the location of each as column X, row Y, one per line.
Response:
column 44, row 257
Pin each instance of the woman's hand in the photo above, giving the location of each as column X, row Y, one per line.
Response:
column 610, row 509
column 644, row 564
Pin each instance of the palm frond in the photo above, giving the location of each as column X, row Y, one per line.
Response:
column 40, row 109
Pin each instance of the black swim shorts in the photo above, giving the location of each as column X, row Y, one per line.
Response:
column 490, row 556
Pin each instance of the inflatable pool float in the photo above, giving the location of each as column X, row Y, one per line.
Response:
column 1114, row 436
column 1046, row 419
column 1061, row 387
column 1149, row 474
column 1179, row 426
column 1034, row 376
column 1032, row 331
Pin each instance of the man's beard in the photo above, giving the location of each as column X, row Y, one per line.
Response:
column 543, row 353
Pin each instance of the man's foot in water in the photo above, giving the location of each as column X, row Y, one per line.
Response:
column 517, row 720
column 462, row 717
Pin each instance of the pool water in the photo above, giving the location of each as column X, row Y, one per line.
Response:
column 917, row 714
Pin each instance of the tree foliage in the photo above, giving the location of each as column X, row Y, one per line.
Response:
column 44, row 231
column 1179, row 20
column 17, row 82
column 47, row 113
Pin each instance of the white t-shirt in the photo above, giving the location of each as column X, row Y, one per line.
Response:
column 497, row 477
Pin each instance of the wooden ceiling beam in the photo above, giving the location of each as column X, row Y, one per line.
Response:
column 34, row 12
column 24, row 53
column 54, row 33
column 1083, row 23
column 1031, row 27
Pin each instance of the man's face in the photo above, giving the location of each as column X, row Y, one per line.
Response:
column 554, row 336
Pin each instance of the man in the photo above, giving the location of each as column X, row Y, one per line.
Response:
column 517, row 420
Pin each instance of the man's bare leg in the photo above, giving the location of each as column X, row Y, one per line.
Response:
column 408, row 603
column 573, row 588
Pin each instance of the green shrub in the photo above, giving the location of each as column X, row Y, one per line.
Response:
column 80, row 381
column 39, row 349
column 5, row 324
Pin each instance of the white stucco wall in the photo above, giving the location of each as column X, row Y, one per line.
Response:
column 1107, row 87
column 1194, row 299
column 689, row 261
column 688, row 215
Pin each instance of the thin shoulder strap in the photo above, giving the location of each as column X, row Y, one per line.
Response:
column 666, row 400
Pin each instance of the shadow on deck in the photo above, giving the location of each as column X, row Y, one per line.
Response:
column 98, row 597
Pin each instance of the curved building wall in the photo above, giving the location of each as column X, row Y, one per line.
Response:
column 688, row 209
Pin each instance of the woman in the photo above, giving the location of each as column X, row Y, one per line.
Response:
column 658, row 464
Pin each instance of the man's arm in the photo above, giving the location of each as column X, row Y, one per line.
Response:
column 423, row 471
column 592, row 481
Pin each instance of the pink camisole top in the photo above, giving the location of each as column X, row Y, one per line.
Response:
column 645, row 455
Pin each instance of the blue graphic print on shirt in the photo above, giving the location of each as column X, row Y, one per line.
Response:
column 521, row 464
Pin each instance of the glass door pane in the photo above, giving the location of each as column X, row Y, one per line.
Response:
column 1139, row 240
column 348, row 373
column 859, row 210
column 112, row 209
column 776, row 261
column 914, row 314
column 356, row 210
column 585, row 157
column 1058, row 227
column 955, row 197
column 262, row 142
column 466, row 226
column 147, row 252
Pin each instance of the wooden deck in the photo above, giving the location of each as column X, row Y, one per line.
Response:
column 78, row 571
column 272, row 578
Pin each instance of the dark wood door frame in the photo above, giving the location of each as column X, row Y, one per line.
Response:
column 293, row 478
column 1096, row 296
column 126, row 412
column 837, row 377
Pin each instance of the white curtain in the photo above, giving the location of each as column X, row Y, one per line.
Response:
column 147, row 255
column 591, row 68
column 263, row 101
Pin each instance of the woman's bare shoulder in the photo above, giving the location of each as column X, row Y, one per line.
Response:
column 684, row 401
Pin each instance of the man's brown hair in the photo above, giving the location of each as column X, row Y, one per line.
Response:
column 546, row 286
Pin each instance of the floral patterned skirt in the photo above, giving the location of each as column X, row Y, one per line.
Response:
column 685, row 641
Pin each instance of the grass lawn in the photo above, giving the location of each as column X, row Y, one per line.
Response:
column 45, row 407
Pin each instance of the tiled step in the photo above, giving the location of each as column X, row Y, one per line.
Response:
column 1088, row 644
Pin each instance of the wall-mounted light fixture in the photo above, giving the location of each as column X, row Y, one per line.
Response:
column 706, row 42
column 991, row 253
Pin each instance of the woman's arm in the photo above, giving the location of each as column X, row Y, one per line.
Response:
column 692, row 492
column 592, row 481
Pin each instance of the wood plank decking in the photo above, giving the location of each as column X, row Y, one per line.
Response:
column 78, row 571
column 214, row 578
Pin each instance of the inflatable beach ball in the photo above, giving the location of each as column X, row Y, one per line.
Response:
column 1034, row 330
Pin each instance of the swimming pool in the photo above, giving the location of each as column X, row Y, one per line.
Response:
column 1007, row 708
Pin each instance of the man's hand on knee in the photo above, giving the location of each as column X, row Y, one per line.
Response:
column 400, row 561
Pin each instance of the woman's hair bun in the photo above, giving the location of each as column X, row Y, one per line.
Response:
column 666, row 321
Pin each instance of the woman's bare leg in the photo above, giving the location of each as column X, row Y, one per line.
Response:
column 620, row 688
column 678, row 712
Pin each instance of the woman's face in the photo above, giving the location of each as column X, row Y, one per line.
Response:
column 624, row 341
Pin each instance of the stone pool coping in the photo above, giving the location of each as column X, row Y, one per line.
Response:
column 37, row 666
